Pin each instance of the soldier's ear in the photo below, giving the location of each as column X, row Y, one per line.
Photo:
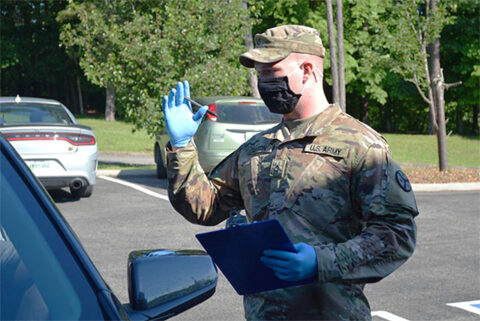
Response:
column 307, row 71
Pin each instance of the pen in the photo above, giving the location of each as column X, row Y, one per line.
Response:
column 198, row 105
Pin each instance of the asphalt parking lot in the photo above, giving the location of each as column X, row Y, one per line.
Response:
column 445, row 268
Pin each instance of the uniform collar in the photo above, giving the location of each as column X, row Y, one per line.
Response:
column 312, row 126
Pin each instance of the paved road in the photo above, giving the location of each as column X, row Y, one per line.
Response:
column 444, row 269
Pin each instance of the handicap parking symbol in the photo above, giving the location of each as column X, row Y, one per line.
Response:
column 470, row 306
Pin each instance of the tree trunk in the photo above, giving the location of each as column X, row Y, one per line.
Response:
column 253, row 83
column 110, row 103
column 341, row 64
column 252, row 78
column 72, row 86
column 387, row 116
column 80, row 99
column 365, row 112
column 65, row 91
column 437, row 85
column 442, row 130
column 433, row 126
column 459, row 119
column 333, row 52
column 475, row 120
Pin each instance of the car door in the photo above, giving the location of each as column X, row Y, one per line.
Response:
column 45, row 274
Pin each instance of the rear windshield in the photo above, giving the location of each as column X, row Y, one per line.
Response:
column 25, row 113
column 246, row 114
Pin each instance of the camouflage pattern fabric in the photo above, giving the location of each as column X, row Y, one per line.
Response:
column 277, row 43
column 331, row 182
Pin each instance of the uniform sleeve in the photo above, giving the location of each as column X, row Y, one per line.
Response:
column 201, row 199
column 383, row 198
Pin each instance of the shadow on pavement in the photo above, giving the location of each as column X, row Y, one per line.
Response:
column 62, row 196
column 145, row 178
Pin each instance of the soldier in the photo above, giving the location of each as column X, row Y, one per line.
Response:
column 328, row 178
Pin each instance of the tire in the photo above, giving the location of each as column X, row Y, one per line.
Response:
column 161, row 169
column 85, row 191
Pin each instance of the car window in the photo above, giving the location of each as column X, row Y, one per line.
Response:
column 24, row 113
column 246, row 114
column 40, row 278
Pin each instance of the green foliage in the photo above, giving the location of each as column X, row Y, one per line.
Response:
column 144, row 47
column 407, row 28
column 361, row 28
column 31, row 61
column 461, row 62
column 25, row 26
column 362, row 75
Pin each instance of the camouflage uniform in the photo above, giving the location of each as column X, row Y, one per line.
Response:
column 331, row 182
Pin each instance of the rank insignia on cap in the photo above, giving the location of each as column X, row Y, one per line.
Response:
column 403, row 181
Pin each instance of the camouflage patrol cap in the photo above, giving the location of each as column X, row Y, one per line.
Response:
column 277, row 43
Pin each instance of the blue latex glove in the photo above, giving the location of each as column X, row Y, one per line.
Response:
column 292, row 266
column 180, row 120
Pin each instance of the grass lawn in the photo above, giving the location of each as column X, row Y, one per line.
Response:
column 117, row 136
column 422, row 149
column 408, row 149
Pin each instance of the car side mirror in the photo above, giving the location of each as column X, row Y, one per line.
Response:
column 164, row 283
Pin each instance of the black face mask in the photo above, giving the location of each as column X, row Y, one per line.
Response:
column 277, row 95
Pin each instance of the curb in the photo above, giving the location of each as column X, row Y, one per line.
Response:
column 126, row 172
column 446, row 187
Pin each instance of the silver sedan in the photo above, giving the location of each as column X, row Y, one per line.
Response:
column 59, row 151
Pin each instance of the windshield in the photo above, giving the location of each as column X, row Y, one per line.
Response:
column 246, row 114
column 26, row 113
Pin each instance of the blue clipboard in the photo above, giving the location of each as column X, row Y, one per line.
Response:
column 237, row 251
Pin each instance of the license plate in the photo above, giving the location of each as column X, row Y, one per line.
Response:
column 36, row 165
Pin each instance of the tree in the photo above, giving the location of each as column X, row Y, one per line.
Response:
column 341, row 63
column 338, row 71
column 460, row 52
column 32, row 63
column 333, row 52
column 252, row 78
column 95, row 41
column 366, row 67
column 412, row 27
column 143, row 47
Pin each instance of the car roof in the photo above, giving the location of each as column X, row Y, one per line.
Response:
column 29, row 100
column 207, row 100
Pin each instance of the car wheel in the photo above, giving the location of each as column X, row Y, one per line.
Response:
column 85, row 191
column 161, row 169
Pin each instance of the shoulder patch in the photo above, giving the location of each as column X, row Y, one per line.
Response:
column 326, row 150
column 403, row 181
column 399, row 188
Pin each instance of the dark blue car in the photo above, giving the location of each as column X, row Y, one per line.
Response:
column 47, row 275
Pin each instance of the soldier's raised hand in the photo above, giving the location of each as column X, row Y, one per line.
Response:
column 181, row 123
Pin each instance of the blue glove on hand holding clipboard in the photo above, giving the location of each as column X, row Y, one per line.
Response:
column 290, row 266
column 259, row 256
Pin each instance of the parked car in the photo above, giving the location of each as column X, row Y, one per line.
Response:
column 46, row 274
column 59, row 151
column 238, row 119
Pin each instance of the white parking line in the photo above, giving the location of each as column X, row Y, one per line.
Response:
column 387, row 316
column 135, row 186
column 470, row 306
